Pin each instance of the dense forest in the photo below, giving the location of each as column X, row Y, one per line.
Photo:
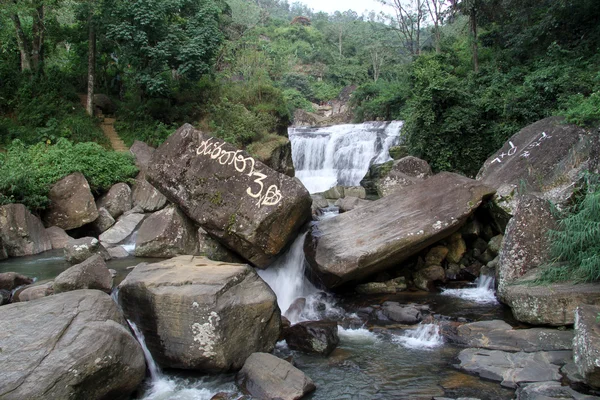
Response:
column 464, row 75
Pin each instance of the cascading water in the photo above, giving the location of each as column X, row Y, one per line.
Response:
column 340, row 154
column 425, row 336
column 483, row 293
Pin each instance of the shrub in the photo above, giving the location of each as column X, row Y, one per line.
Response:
column 27, row 172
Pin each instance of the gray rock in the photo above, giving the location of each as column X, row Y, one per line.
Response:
column 405, row 172
column 495, row 244
column 5, row 297
column 355, row 191
column 71, row 203
column 511, row 369
column 349, row 203
column 548, row 391
column 425, row 277
column 35, row 291
column 200, row 314
column 73, row 345
column 21, row 232
column 104, row 221
column 166, row 233
column 498, row 335
column 3, row 253
column 316, row 337
column 79, row 250
column 391, row 286
column 456, row 248
column 275, row 153
column 318, row 201
column 265, row 376
column 12, row 280
column 244, row 204
column 370, row 239
column 404, row 314
column 90, row 274
column 142, row 153
column 212, row 249
column 336, row 192
column 120, row 231
column 117, row 200
column 58, row 237
column 147, row 196
column 586, row 344
column 118, row 252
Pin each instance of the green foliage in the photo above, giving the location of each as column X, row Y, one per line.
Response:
column 584, row 111
column 27, row 172
column 294, row 100
column 576, row 244
column 380, row 100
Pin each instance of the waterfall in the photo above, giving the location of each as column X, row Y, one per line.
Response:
column 152, row 367
column 340, row 154
column 483, row 293
column 426, row 336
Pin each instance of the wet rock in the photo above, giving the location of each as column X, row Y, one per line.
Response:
column 12, row 280
column 355, row 191
column 21, row 232
column 142, row 154
column 200, row 314
column 295, row 309
column 336, row 192
column 404, row 314
column 120, row 231
column 398, row 152
column 275, row 153
column 79, row 250
column 317, row 337
column 511, row 369
column 211, row 248
column 498, row 335
column 3, row 254
column 166, row 233
column 547, row 157
column 375, row 173
column 146, row 196
column 35, row 291
column 244, row 204
column 350, row 203
column 5, row 297
column 586, row 344
column 58, row 237
column 391, row 286
column 371, row 239
column 117, row 200
column 436, row 255
column 72, row 345
column 265, row 376
column 405, row 172
column 71, row 203
column 425, row 277
column 118, row 252
column 548, row 391
column 456, row 248
column 104, row 221
column 90, row 274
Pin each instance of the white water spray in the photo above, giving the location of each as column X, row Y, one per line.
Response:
column 424, row 337
column 483, row 293
column 340, row 154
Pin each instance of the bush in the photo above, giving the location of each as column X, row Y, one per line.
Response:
column 27, row 173
column 583, row 111
column 576, row 244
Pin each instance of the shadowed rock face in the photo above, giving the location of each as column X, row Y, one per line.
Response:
column 244, row 204
column 388, row 231
column 71, row 203
column 21, row 233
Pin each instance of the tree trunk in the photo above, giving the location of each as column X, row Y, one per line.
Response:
column 91, row 66
column 340, row 41
column 475, row 49
column 22, row 44
column 37, row 53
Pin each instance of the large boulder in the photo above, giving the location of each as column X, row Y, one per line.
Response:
column 117, row 200
column 211, row 248
column 586, row 344
column 35, row 291
column 370, row 239
column 318, row 337
column 58, row 237
column 12, row 280
column 549, row 391
column 200, row 314
column 244, row 204
column 120, row 231
column 74, row 345
column 276, row 153
column 350, row 203
column 526, row 245
column 142, row 154
column 266, row 377
column 90, row 274
column 103, row 222
column 21, row 232
column 146, row 196
column 79, row 250
column 547, row 157
column 405, row 172
column 166, row 233
column 71, row 203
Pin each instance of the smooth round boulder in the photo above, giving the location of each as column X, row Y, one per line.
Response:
column 71, row 203
column 90, row 274
column 35, row 291
column 200, row 314
column 405, row 314
column 265, row 376
column 117, row 200
column 21, row 233
column 317, row 337
column 58, row 237
column 12, row 280
column 73, row 345
column 79, row 250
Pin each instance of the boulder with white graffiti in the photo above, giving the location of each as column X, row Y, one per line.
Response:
column 247, row 206
column 548, row 157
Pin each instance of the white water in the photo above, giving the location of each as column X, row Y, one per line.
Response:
column 483, row 293
column 340, row 154
column 360, row 335
column 129, row 244
column 424, row 337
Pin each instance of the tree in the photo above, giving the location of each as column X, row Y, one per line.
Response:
column 436, row 12
column 409, row 15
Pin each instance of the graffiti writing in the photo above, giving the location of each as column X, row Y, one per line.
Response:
column 511, row 151
column 244, row 165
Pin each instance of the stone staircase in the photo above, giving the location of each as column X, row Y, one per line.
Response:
column 108, row 127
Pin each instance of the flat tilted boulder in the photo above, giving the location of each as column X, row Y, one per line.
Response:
column 22, row 233
column 200, row 314
column 547, row 157
column 166, row 233
column 73, row 345
column 266, row 377
column 90, row 274
column 120, row 231
column 370, row 239
column 244, row 204
column 146, row 196
column 117, row 200
column 71, row 203
column 586, row 345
